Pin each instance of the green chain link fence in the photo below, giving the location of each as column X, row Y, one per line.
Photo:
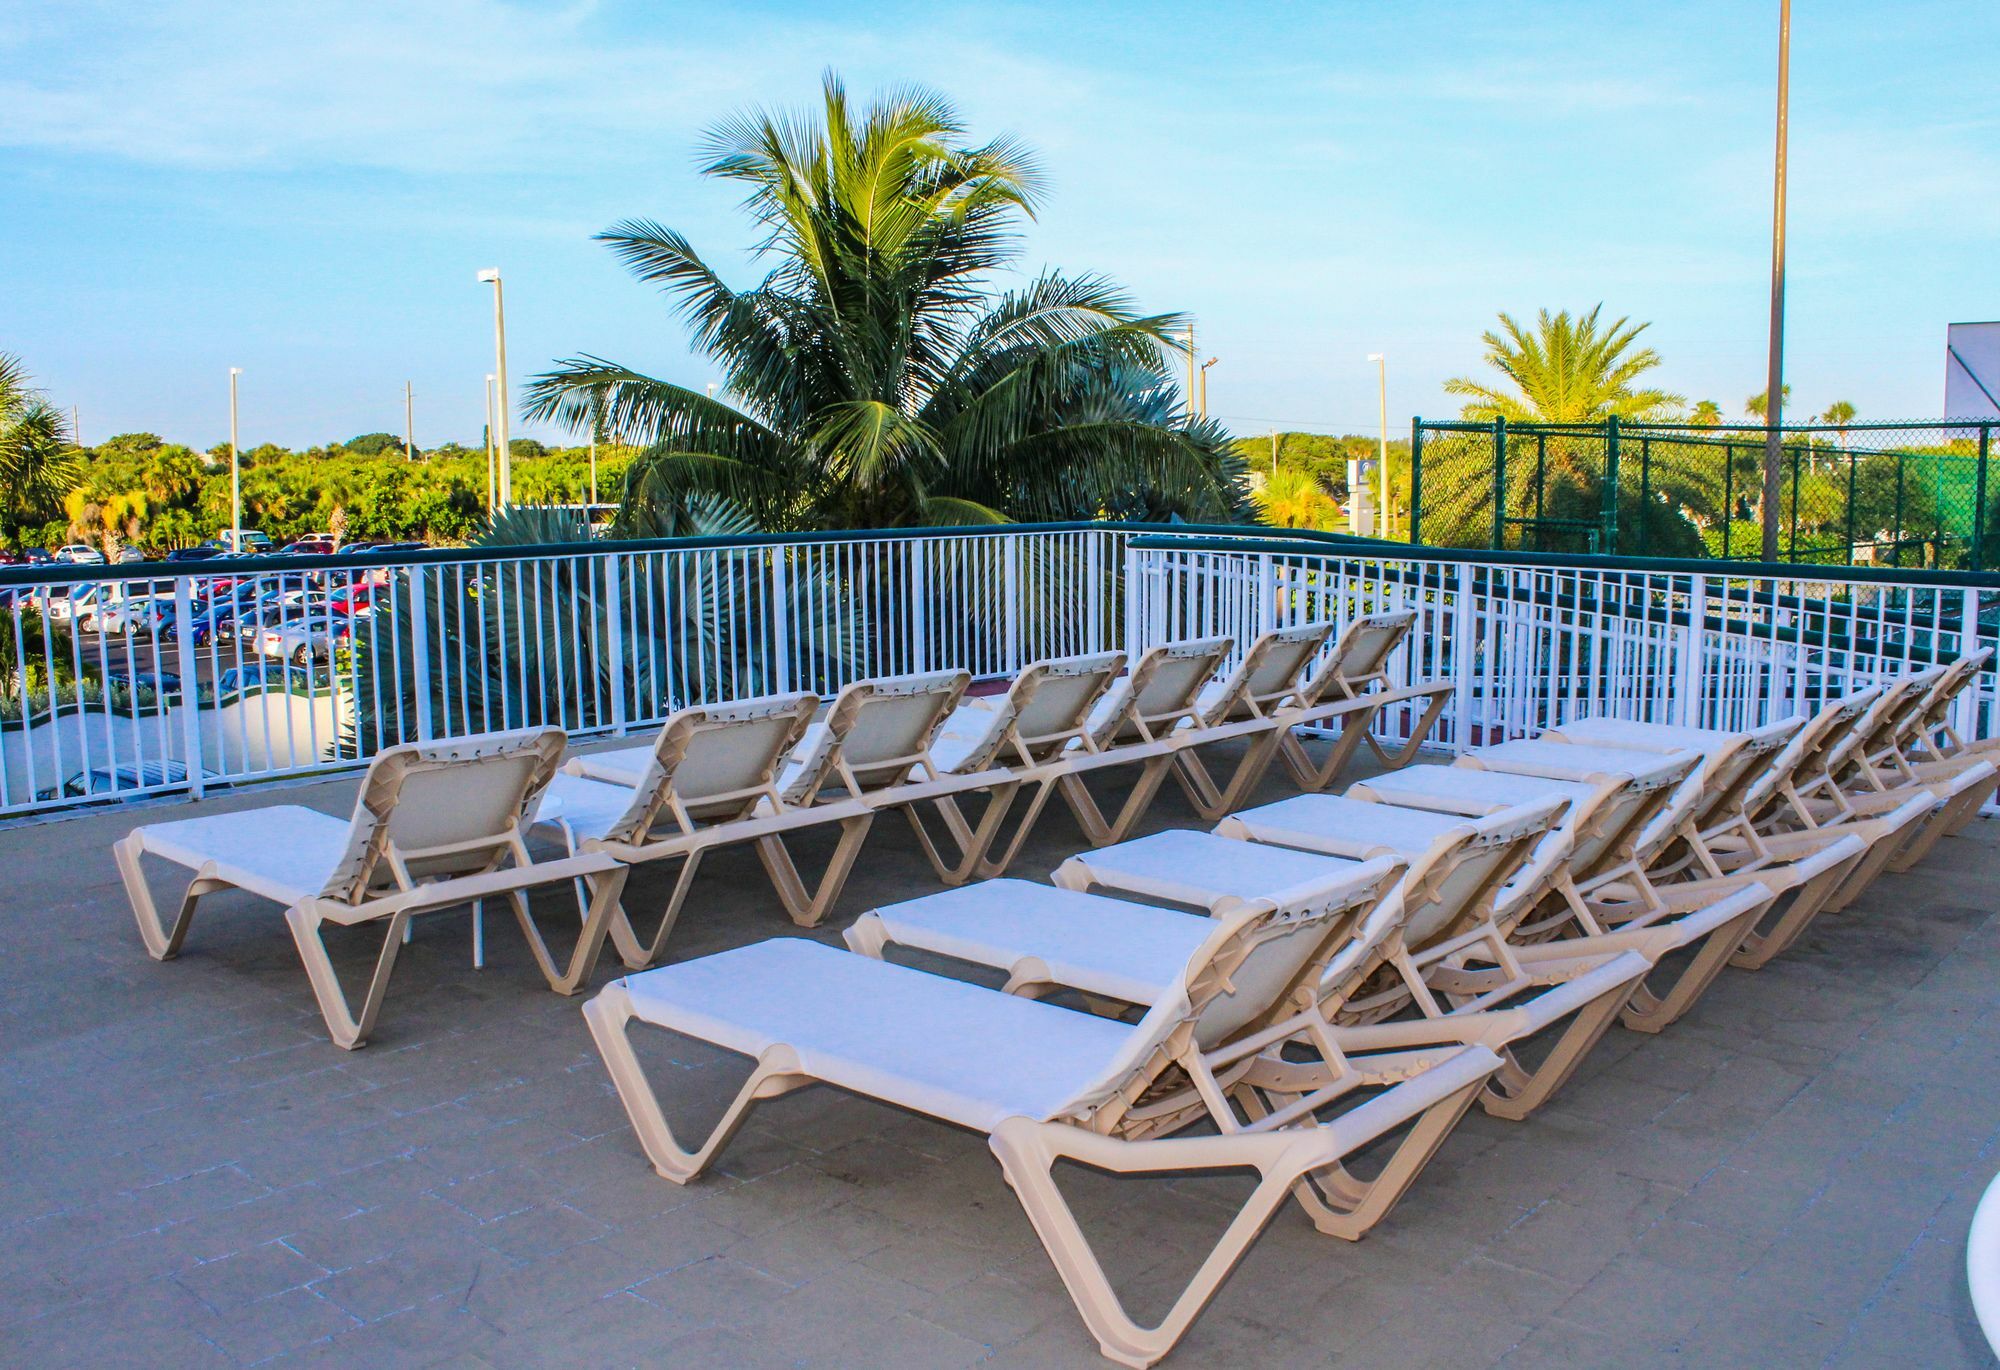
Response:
column 1885, row 494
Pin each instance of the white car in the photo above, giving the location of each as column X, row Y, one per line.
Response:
column 80, row 554
column 303, row 641
column 138, row 615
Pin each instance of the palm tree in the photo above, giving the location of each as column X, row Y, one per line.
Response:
column 1707, row 414
column 1291, row 498
column 1758, row 406
column 38, row 462
column 871, row 379
column 1566, row 371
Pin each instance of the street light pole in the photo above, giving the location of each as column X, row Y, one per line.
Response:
column 235, row 473
column 409, row 424
column 490, row 463
column 1774, row 382
column 1381, row 360
column 1190, row 389
column 1204, row 384
column 491, row 275
column 596, row 420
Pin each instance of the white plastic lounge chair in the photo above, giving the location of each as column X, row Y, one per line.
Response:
column 1047, row 1084
column 1140, row 721
column 1350, row 686
column 1461, row 959
column 1249, row 701
column 1621, row 822
column 709, row 780
column 436, row 825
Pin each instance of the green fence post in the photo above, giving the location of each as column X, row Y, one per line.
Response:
column 1541, row 489
column 1898, row 544
column 1499, row 483
column 1607, row 499
column 1728, row 494
column 1416, row 480
column 1852, row 460
column 1979, row 501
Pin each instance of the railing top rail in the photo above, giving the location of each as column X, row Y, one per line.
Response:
column 1688, row 566
column 67, row 573
column 1696, row 430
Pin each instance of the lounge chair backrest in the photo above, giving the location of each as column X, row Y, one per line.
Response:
column 1163, row 688
column 879, row 731
column 715, row 762
column 1046, row 708
column 1877, row 729
column 1360, row 656
column 1261, row 963
column 1727, row 786
column 443, row 808
column 1803, row 761
column 1605, row 839
column 1936, row 715
column 1454, row 885
column 1901, row 728
column 1269, row 673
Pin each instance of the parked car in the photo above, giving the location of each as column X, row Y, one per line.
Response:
column 129, row 555
column 253, row 541
column 8, row 558
column 205, row 552
column 113, row 781
column 79, row 554
column 38, row 556
column 267, row 675
column 307, row 547
column 65, row 602
column 305, row 641
column 355, row 602
column 161, row 683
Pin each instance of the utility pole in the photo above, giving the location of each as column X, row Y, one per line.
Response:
column 409, row 424
column 491, row 489
column 1204, row 385
column 596, row 421
column 505, row 449
column 75, row 428
column 1774, row 384
column 1274, row 451
column 235, row 473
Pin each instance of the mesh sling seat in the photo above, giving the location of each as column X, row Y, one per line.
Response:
column 1351, row 687
column 436, row 825
column 1047, row 1084
column 709, row 780
column 1447, row 961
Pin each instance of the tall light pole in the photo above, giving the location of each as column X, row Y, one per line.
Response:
column 1204, row 384
column 596, row 421
column 491, row 492
column 1774, row 376
column 235, row 473
column 409, row 423
column 491, row 275
column 1381, row 360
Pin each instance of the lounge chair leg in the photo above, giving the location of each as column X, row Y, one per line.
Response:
column 1420, row 734
column 1215, row 803
column 162, row 943
column 1340, row 1204
column 1314, row 779
column 479, row 934
column 1517, row 1091
column 973, row 843
column 608, row 1015
column 1761, row 945
column 638, row 955
column 605, row 892
column 991, row 866
column 1651, row 1011
column 808, row 907
column 1028, row 1152
column 1099, row 831
column 347, row 1028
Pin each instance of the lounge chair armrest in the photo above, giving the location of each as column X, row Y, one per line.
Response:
column 465, row 889
column 1498, row 1027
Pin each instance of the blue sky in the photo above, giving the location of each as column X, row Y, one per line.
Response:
column 307, row 191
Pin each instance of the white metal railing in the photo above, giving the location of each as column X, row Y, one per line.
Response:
column 142, row 682
column 1535, row 642
column 180, row 680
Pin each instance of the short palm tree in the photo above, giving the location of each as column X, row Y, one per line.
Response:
column 1568, row 370
column 38, row 462
column 1758, row 406
column 871, row 379
column 1291, row 498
